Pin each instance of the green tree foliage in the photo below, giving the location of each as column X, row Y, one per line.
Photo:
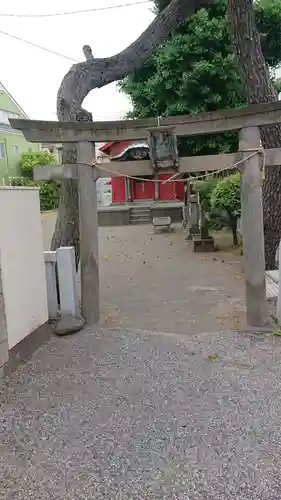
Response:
column 220, row 200
column 194, row 71
column 36, row 158
column 49, row 190
column 226, row 195
column 205, row 189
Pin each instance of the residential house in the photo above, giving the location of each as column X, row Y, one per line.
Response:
column 12, row 142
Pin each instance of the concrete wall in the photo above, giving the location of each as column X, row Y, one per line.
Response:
column 114, row 215
column 22, row 263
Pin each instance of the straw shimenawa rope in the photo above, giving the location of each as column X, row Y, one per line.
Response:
column 190, row 178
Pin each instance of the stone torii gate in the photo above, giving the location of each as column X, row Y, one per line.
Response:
column 245, row 120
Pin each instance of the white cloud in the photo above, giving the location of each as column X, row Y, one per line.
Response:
column 33, row 76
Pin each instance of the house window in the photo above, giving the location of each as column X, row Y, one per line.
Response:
column 30, row 150
column 2, row 151
column 16, row 148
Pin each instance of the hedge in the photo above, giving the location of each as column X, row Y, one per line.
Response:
column 49, row 191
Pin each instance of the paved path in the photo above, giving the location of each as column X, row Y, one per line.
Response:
column 134, row 415
column 156, row 282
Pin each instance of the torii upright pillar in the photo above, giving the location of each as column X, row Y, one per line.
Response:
column 86, row 175
column 88, row 221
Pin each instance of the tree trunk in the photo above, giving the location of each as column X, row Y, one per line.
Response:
column 95, row 73
column 258, row 88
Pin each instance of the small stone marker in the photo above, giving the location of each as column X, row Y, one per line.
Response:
column 194, row 216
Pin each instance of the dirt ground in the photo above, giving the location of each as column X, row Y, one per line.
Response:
column 156, row 282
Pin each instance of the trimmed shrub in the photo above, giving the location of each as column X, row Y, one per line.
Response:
column 33, row 159
column 226, row 199
column 49, row 191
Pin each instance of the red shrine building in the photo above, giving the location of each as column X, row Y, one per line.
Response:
column 126, row 190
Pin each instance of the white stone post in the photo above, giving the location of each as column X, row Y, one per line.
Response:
column 52, row 293
column 67, row 281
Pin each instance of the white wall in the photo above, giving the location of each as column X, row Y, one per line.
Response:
column 22, row 262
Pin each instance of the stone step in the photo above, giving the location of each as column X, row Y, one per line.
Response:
column 141, row 211
column 135, row 216
column 140, row 221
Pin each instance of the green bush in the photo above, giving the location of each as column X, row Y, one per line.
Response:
column 33, row 159
column 205, row 189
column 49, row 191
column 225, row 200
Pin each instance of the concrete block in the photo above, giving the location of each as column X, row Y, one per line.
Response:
column 52, row 292
column 203, row 244
column 67, row 281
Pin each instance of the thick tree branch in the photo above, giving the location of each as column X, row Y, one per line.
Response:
column 95, row 73
column 86, row 76
column 88, row 53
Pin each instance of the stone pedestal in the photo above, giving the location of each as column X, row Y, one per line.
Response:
column 203, row 244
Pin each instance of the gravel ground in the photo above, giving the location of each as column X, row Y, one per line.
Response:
column 134, row 415
column 148, row 407
column 156, row 282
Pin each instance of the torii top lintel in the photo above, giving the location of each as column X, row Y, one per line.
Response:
column 185, row 125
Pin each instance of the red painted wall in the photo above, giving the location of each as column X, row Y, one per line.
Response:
column 179, row 189
column 118, row 189
column 144, row 190
column 166, row 191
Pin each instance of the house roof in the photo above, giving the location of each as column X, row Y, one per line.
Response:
column 127, row 145
column 136, row 144
column 3, row 88
column 106, row 146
